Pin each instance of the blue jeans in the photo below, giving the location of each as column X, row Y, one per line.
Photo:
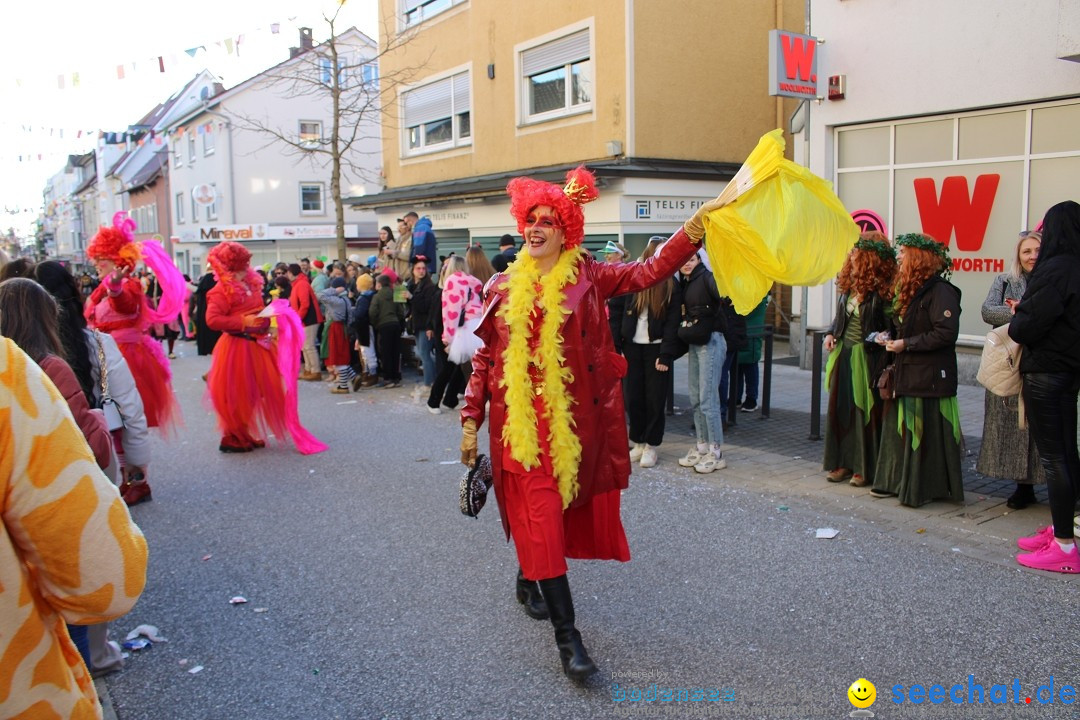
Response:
column 425, row 349
column 725, row 382
column 706, row 365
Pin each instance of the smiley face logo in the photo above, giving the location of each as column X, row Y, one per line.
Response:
column 862, row 693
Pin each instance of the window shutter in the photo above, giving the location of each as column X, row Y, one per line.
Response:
column 427, row 103
column 555, row 54
column 461, row 93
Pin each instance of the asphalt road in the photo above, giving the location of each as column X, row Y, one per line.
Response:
column 371, row 596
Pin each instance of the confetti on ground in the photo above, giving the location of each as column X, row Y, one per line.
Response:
column 826, row 533
column 261, row 610
column 238, row 600
column 348, row 402
column 196, row 669
column 206, row 557
column 921, row 531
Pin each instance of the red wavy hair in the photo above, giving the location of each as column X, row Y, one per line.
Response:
column 918, row 266
column 526, row 194
column 866, row 271
column 227, row 258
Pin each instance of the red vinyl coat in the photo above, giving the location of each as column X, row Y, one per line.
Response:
column 599, row 418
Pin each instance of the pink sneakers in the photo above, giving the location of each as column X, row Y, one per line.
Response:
column 1037, row 541
column 1052, row 558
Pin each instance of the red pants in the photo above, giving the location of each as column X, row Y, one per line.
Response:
column 545, row 535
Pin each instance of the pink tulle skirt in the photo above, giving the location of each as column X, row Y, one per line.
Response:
column 153, row 379
column 247, row 391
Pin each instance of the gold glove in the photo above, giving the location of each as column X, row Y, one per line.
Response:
column 468, row 443
column 695, row 226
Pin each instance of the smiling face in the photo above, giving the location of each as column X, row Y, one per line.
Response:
column 862, row 693
column 543, row 234
column 1028, row 253
column 104, row 266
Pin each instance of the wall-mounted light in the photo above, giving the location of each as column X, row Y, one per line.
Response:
column 614, row 148
column 491, row 71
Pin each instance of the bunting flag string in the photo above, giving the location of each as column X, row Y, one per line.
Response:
column 230, row 46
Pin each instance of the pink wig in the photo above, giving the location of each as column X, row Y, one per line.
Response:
column 526, row 194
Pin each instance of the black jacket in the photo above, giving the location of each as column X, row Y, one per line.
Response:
column 503, row 259
column 927, row 366
column 1047, row 320
column 665, row 328
column 422, row 305
column 872, row 318
column 701, row 298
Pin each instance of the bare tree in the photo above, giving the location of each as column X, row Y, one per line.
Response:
column 358, row 95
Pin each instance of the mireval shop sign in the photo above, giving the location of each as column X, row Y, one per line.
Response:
column 252, row 231
column 793, row 64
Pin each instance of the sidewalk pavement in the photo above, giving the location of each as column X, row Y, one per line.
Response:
column 776, row 456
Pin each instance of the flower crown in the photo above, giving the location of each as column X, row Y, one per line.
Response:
column 884, row 250
column 929, row 244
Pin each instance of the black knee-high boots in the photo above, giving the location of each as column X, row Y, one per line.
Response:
column 528, row 594
column 575, row 660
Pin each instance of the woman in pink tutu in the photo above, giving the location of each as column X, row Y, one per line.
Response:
column 119, row 307
column 252, row 380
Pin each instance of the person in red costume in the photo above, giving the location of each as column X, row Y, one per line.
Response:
column 551, row 380
column 246, row 385
column 118, row 306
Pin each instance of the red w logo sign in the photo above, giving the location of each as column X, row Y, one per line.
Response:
column 955, row 210
column 798, row 57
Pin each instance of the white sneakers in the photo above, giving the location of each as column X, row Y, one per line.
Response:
column 703, row 461
column 643, row 454
column 648, row 457
column 692, row 458
column 710, row 463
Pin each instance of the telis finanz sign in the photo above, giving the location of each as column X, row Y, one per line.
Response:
column 793, row 65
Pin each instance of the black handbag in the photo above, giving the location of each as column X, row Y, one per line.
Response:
column 696, row 327
column 475, row 484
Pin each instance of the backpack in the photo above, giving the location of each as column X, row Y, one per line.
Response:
column 999, row 367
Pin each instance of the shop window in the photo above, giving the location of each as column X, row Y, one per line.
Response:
column 1054, row 129
column 992, row 135
column 865, row 147
column 924, row 142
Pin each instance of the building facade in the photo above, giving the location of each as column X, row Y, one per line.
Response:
column 243, row 165
column 964, row 126
column 661, row 102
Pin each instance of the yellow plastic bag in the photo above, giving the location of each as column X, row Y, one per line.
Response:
column 786, row 226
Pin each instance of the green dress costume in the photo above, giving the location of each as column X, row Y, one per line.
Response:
column 853, row 426
column 919, row 459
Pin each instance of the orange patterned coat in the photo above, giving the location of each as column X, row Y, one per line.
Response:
column 69, row 551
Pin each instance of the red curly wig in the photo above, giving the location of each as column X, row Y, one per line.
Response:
column 866, row 271
column 919, row 266
column 116, row 243
column 526, row 194
column 228, row 257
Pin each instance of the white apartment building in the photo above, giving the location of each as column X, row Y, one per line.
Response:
column 960, row 119
column 231, row 180
column 67, row 218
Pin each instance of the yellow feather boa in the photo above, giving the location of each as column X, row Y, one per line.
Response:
column 520, row 429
